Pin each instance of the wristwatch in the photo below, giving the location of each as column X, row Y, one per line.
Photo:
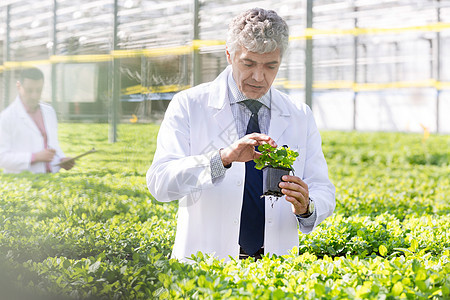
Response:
column 309, row 210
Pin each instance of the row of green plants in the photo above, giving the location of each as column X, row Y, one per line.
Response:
column 415, row 275
column 82, row 234
column 95, row 232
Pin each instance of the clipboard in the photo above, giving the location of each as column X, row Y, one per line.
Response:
column 77, row 157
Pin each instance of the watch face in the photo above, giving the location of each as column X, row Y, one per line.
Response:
column 311, row 206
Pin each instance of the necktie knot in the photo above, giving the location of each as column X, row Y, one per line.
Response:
column 253, row 105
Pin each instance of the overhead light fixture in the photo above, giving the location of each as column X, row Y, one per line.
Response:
column 128, row 4
column 77, row 14
column 35, row 23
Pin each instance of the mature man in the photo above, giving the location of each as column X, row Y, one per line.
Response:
column 206, row 145
column 28, row 130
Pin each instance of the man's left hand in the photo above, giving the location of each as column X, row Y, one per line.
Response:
column 296, row 191
column 66, row 163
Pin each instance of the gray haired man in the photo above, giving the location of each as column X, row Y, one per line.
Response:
column 206, row 146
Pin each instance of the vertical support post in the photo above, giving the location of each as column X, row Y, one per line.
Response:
column 54, row 52
column 114, row 115
column 309, row 55
column 365, row 68
column 355, row 69
column 7, row 57
column 197, row 76
column 438, row 66
column 147, row 109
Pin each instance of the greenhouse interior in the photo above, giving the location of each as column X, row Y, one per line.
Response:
column 361, row 65
column 124, row 183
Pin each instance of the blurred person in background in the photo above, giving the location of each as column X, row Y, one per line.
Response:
column 29, row 130
column 206, row 146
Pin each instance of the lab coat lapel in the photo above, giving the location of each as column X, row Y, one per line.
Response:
column 48, row 125
column 23, row 115
column 280, row 116
column 218, row 99
column 225, row 121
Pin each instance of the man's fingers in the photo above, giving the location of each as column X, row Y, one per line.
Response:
column 296, row 191
column 70, row 165
column 244, row 150
column 67, row 164
column 291, row 186
column 249, row 140
column 294, row 202
column 262, row 138
column 298, row 196
column 295, row 179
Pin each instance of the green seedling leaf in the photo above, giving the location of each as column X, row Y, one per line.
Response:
column 280, row 157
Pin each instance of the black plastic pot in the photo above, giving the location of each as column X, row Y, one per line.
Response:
column 272, row 177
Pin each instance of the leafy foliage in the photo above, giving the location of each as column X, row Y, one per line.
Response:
column 279, row 157
column 95, row 232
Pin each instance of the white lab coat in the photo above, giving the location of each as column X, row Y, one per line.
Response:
column 197, row 123
column 20, row 138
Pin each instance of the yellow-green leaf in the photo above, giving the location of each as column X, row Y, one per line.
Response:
column 397, row 289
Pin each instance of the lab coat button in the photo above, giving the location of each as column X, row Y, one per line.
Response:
column 236, row 221
column 239, row 182
column 269, row 221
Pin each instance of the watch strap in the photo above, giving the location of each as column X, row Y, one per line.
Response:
column 309, row 211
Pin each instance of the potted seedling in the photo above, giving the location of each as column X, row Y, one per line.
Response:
column 276, row 162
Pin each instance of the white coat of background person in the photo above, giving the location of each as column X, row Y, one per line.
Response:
column 22, row 146
column 199, row 127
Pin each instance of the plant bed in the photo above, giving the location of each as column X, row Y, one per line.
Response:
column 275, row 162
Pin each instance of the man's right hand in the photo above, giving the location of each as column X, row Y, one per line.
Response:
column 243, row 150
column 45, row 155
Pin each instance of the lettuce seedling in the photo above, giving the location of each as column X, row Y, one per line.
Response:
column 279, row 157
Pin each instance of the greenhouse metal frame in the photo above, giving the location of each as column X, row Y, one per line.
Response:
column 378, row 65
